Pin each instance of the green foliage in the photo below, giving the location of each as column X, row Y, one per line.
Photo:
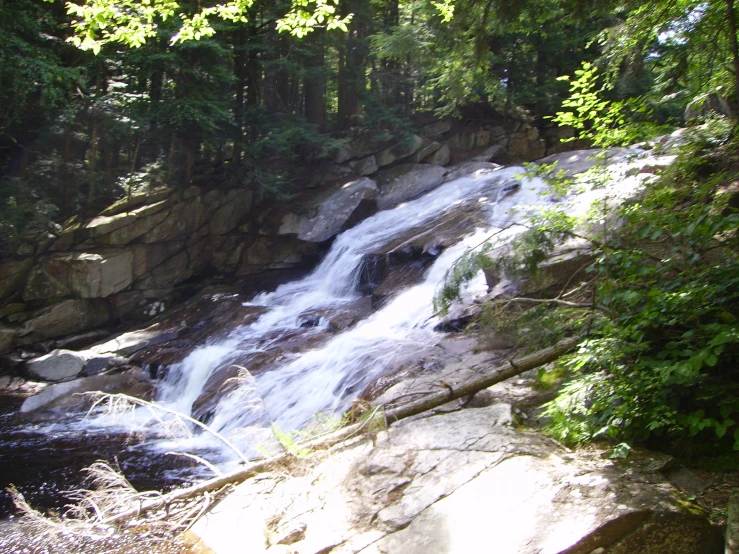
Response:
column 602, row 121
column 664, row 364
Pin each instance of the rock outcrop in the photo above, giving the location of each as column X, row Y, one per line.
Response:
column 124, row 263
column 464, row 481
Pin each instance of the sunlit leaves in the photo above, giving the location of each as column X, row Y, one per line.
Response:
column 133, row 22
column 307, row 15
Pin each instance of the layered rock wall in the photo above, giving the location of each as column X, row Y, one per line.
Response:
column 122, row 263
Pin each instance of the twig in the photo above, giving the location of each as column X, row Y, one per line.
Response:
column 153, row 405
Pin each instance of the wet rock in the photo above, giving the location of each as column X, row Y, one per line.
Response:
column 372, row 271
column 69, row 395
column 579, row 161
column 239, row 384
column 396, row 279
column 335, row 211
column 408, row 181
column 470, row 168
column 58, row 365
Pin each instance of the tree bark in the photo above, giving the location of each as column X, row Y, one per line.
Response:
column 731, row 18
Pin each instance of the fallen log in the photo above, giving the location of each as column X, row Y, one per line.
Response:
column 510, row 369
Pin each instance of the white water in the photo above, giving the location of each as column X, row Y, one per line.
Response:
column 327, row 378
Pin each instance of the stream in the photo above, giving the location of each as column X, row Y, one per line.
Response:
column 323, row 374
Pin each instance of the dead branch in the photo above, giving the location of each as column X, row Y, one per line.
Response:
column 102, row 396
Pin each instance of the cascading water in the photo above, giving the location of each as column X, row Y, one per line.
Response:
column 326, row 378
column 318, row 370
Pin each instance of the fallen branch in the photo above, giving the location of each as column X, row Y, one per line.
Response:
column 434, row 400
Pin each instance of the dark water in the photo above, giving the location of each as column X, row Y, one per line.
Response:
column 43, row 461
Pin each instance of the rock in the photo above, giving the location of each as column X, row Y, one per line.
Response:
column 425, row 152
column 367, row 144
column 133, row 341
column 10, row 309
column 234, row 206
column 135, row 200
column 441, row 157
column 291, row 224
column 58, row 365
column 7, row 339
column 13, row 276
column 686, row 480
column 81, row 275
column 80, row 340
column 364, row 166
column 468, row 168
column 69, row 395
column 372, row 271
column 64, row 318
column 437, row 129
column 463, row 140
column 123, row 228
column 492, row 154
column 579, row 161
column 337, row 209
column 732, row 523
column 399, row 151
column 704, row 107
column 102, row 362
column 414, row 180
column 451, row 482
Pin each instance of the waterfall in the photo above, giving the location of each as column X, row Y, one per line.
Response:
column 327, row 378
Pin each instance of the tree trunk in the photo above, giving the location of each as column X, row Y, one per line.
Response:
column 315, row 84
column 731, row 18
column 240, row 74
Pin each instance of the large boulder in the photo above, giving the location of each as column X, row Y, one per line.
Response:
column 69, row 396
column 336, row 210
column 58, row 365
column 408, row 181
column 80, row 275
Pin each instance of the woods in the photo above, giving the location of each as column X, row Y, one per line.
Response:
column 168, row 92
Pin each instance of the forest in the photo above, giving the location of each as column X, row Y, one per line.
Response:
column 102, row 99
column 91, row 107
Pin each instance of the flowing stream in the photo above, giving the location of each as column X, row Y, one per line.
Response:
column 324, row 376
column 326, row 379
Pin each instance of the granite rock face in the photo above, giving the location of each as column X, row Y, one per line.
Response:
column 464, row 481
